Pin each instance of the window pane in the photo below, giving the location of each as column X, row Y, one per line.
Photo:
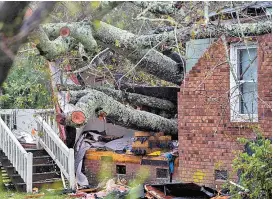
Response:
column 121, row 169
column 247, row 64
column 161, row 173
column 248, row 98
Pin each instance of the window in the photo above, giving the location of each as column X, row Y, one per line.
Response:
column 220, row 175
column 161, row 173
column 121, row 169
column 243, row 83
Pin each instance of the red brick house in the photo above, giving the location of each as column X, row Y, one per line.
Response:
column 214, row 109
column 211, row 115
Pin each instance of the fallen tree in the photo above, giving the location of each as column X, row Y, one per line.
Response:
column 140, row 50
column 57, row 40
column 96, row 103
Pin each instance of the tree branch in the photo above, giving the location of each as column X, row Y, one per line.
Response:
column 95, row 61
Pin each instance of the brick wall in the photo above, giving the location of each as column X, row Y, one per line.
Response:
column 207, row 138
column 95, row 168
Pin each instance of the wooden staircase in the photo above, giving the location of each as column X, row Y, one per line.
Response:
column 46, row 174
column 44, row 165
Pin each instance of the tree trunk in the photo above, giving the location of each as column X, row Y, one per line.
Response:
column 131, row 46
column 96, row 103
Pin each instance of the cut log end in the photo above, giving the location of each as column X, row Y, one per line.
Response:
column 78, row 117
column 64, row 32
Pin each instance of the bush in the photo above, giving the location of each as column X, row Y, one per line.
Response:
column 254, row 167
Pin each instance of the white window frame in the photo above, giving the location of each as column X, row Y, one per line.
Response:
column 235, row 115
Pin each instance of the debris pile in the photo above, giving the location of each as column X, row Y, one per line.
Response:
column 111, row 190
column 144, row 145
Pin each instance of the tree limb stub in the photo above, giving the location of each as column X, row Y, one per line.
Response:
column 74, row 116
column 52, row 49
column 96, row 102
column 81, row 31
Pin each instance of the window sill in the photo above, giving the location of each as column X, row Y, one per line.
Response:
column 220, row 181
column 119, row 174
column 244, row 118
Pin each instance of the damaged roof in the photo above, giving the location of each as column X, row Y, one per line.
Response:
column 255, row 5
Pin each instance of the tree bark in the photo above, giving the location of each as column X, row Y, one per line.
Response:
column 95, row 103
column 81, row 31
column 122, row 96
column 157, row 7
column 148, row 60
column 52, row 49
column 234, row 30
column 169, row 93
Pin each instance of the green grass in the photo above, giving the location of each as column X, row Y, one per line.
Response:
column 18, row 195
column 56, row 194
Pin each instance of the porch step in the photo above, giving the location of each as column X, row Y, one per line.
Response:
column 36, row 160
column 37, row 176
column 37, row 167
column 37, row 152
column 46, row 173
column 45, row 184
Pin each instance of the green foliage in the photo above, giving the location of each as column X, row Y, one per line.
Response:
column 27, row 85
column 94, row 4
column 96, row 24
column 73, row 7
column 255, row 169
column 117, row 44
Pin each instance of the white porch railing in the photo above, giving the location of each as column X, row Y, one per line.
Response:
column 20, row 159
column 60, row 153
column 48, row 115
column 9, row 117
